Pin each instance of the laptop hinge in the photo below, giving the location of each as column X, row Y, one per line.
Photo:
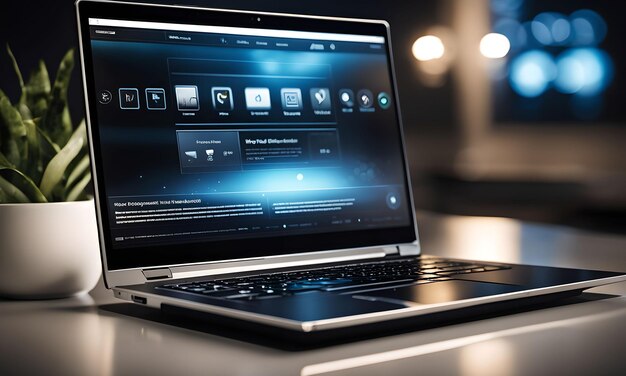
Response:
column 158, row 273
column 409, row 249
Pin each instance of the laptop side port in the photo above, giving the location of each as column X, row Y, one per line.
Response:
column 139, row 299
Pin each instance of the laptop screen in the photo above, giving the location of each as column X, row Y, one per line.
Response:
column 209, row 134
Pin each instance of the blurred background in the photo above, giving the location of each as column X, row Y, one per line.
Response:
column 511, row 108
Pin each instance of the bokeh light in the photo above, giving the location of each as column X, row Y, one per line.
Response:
column 532, row 72
column 561, row 30
column 494, row 46
column 555, row 51
column 513, row 30
column 506, row 7
column 589, row 28
column 550, row 28
column 428, row 47
column 583, row 71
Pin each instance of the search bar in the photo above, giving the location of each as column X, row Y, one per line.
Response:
column 238, row 68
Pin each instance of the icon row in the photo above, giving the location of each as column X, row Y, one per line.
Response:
column 129, row 98
column 364, row 97
column 257, row 99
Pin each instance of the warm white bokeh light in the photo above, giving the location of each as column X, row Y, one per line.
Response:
column 494, row 46
column 428, row 47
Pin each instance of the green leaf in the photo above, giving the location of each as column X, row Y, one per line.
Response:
column 22, row 107
column 16, row 186
column 34, row 167
column 56, row 120
column 10, row 193
column 55, row 171
column 47, row 148
column 36, row 92
column 16, row 67
column 4, row 162
column 23, row 183
column 79, row 188
column 12, row 133
column 49, row 144
column 78, row 171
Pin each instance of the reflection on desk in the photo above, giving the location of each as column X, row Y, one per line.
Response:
column 585, row 335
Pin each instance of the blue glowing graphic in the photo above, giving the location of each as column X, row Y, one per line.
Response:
column 531, row 73
column 583, row 71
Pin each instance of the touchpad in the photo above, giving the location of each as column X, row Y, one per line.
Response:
column 438, row 292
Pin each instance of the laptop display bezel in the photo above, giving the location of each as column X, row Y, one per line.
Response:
column 198, row 252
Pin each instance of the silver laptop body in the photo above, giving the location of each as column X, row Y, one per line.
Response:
column 232, row 144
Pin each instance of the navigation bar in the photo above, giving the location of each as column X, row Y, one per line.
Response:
column 289, row 34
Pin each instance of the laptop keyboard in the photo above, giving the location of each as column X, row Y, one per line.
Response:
column 335, row 278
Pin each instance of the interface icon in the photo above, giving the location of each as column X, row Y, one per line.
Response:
column 105, row 97
column 258, row 98
column 291, row 98
column 155, row 99
column 222, row 98
column 187, row 98
column 210, row 153
column 129, row 98
column 393, row 201
column 384, row 100
column 320, row 98
column 346, row 97
column 365, row 98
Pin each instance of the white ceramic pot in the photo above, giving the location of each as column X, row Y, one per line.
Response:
column 48, row 250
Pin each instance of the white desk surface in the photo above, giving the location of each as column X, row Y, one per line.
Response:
column 81, row 336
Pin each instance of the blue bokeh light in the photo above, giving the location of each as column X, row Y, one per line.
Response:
column 541, row 32
column 522, row 34
column 583, row 32
column 561, row 30
column 532, row 72
column 583, row 71
column 511, row 29
column 506, row 7
column 588, row 28
column 550, row 28
column 556, row 51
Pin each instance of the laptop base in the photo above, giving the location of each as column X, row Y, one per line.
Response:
column 290, row 340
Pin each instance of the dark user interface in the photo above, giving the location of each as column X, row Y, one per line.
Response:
column 219, row 135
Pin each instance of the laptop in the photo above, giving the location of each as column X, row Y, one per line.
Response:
column 250, row 167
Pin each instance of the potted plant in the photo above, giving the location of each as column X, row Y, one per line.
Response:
column 48, row 233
